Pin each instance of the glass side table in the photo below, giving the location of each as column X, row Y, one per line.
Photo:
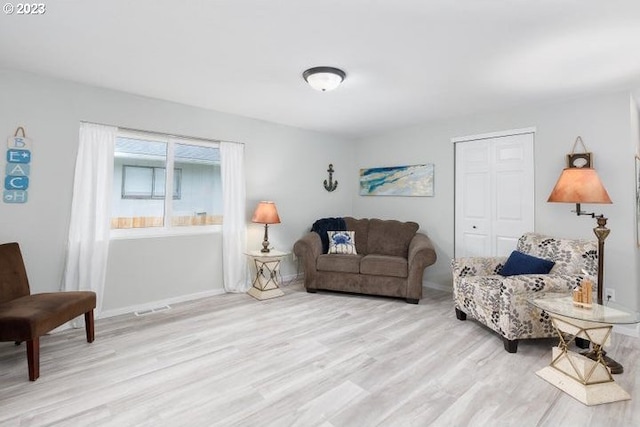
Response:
column 586, row 380
column 266, row 284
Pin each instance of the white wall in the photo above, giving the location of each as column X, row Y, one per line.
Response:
column 635, row 146
column 288, row 165
column 284, row 164
column 143, row 271
column 604, row 124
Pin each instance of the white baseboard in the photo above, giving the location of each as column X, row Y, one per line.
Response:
column 629, row 330
column 437, row 286
column 160, row 303
column 291, row 278
column 286, row 280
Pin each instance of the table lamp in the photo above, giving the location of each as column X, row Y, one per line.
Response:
column 266, row 213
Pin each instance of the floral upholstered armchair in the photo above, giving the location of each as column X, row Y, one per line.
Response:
column 502, row 303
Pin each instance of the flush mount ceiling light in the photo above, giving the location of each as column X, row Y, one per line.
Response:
column 324, row 78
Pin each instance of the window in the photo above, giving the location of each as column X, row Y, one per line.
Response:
column 147, row 167
column 147, row 182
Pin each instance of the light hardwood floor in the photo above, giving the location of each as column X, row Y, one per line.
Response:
column 321, row 359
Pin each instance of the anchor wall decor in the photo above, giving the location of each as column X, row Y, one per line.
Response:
column 331, row 185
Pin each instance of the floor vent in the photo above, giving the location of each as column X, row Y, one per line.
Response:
column 152, row 310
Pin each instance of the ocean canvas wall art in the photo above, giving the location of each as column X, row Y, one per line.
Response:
column 414, row 180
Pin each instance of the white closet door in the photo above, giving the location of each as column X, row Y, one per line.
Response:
column 494, row 194
column 473, row 196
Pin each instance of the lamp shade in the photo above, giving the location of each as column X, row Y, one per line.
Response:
column 324, row 78
column 579, row 185
column 266, row 213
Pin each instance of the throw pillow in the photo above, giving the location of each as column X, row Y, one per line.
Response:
column 521, row 263
column 342, row 242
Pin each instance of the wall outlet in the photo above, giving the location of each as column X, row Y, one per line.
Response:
column 609, row 295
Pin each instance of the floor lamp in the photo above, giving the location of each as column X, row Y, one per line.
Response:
column 582, row 185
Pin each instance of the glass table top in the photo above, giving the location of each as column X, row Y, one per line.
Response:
column 271, row 254
column 610, row 313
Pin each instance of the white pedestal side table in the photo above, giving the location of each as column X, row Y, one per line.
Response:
column 588, row 381
column 266, row 284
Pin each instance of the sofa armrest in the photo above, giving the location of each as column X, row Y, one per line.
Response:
column 476, row 266
column 309, row 248
column 421, row 251
column 309, row 245
column 518, row 317
column 531, row 284
column 421, row 255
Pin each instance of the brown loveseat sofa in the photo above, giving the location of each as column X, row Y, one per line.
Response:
column 390, row 261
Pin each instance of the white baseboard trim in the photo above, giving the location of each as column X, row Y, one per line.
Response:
column 629, row 330
column 290, row 278
column 437, row 286
column 155, row 304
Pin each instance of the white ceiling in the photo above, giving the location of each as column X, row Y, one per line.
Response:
column 407, row 61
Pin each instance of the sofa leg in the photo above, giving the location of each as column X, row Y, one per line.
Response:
column 312, row 291
column 460, row 315
column 583, row 343
column 510, row 345
column 412, row 300
column 89, row 326
column 33, row 358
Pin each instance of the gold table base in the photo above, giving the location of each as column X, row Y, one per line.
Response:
column 266, row 284
column 586, row 380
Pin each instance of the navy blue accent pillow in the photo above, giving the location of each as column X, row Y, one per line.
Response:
column 519, row 263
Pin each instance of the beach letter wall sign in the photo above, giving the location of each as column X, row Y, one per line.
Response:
column 18, row 168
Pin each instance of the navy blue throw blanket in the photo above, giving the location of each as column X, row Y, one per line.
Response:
column 323, row 225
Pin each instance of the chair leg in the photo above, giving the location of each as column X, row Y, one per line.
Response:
column 460, row 315
column 413, row 300
column 33, row 358
column 89, row 325
column 510, row 345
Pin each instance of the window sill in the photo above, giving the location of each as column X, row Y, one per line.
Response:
column 157, row 232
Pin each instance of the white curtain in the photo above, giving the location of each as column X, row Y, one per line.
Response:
column 234, row 264
column 88, row 243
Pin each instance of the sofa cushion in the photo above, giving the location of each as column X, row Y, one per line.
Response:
column 361, row 228
column 339, row 263
column 390, row 237
column 342, row 242
column 31, row 316
column 519, row 263
column 384, row 265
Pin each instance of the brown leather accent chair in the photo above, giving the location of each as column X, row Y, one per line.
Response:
column 26, row 317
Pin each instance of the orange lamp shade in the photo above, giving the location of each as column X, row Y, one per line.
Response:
column 266, row 213
column 579, row 185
